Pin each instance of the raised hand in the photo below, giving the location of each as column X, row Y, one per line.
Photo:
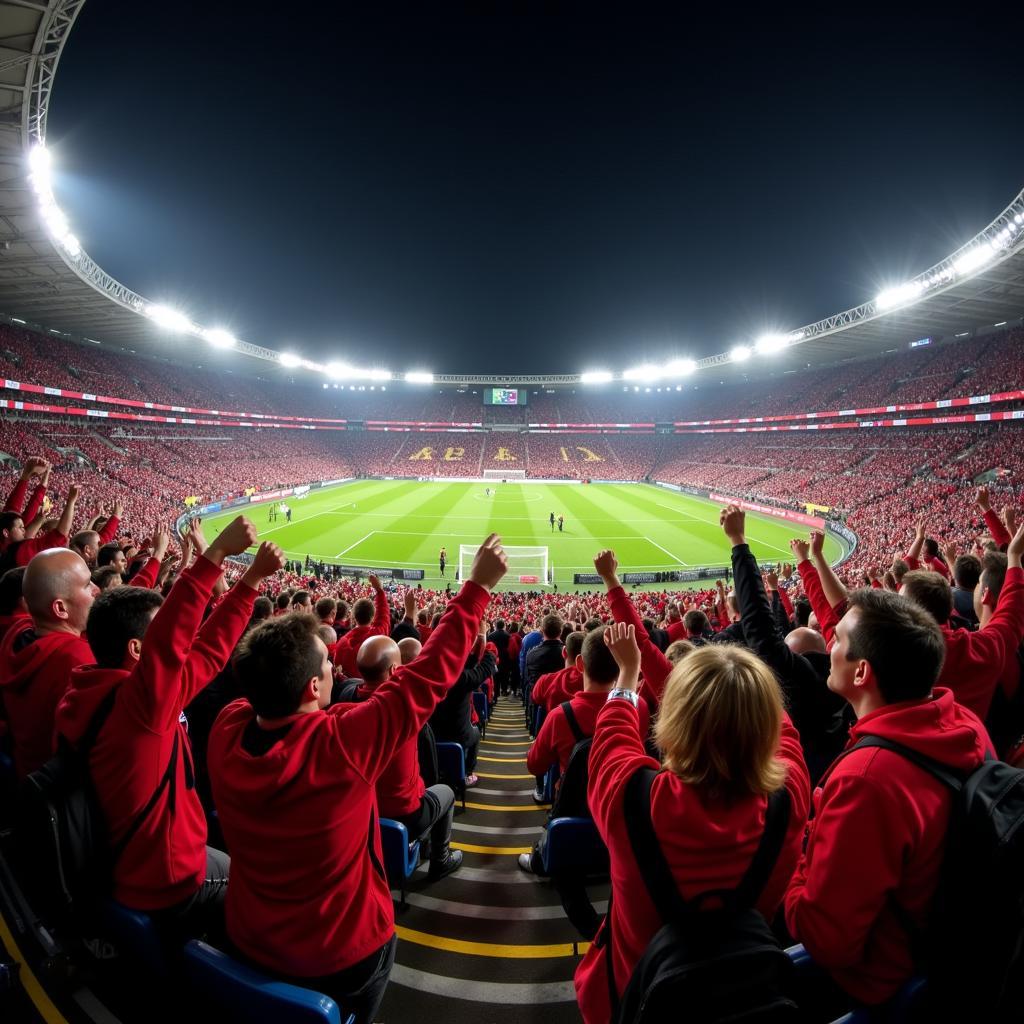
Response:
column 733, row 521
column 607, row 567
column 375, row 582
column 771, row 580
column 800, row 548
column 410, row 604
column 817, row 543
column 118, row 509
column 949, row 553
column 787, row 571
column 921, row 531
column 489, row 563
column 239, row 535
column 268, row 560
column 620, row 639
column 1010, row 518
column 161, row 541
column 981, row 499
column 1015, row 549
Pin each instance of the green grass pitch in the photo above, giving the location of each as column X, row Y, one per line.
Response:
column 403, row 524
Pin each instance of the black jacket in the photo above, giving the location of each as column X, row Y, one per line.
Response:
column 403, row 629
column 499, row 638
column 545, row 657
column 820, row 716
column 451, row 720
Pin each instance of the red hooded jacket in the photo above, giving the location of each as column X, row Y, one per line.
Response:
column 877, row 838
column 346, row 650
column 35, row 672
column 165, row 861
column 554, row 687
column 708, row 845
column 308, row 893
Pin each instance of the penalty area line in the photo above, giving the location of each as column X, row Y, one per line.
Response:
column 357, row 543
column 666, row 550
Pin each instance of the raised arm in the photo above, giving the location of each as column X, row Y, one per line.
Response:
column 33, row 466
column 147, row 576
column 655, row 666
column 827, row 617
column 369, row 732
column 913, row 555
column 381, row 608
column 835, row 593
column 110, row 527
column 995, row 525
column 35, row 503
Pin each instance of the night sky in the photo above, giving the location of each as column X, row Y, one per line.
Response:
column 478, row 191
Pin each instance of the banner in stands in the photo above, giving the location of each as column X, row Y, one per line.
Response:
column 944, row 403
column 919, row 421
column 770, row 510
column 707, row 572
column 384, row 574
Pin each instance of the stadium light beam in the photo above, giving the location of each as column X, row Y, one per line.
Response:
column 973, row 258
column 596, row 377
column 769, row 344
column 739, row 353
column 290, row 359
column 680, row 368
column 900, row 295
column 169, row 319
column 419, row 377
column 220, row 338
column 646, row 371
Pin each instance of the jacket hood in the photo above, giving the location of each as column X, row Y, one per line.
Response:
column 89, row 685
column 18, row 668
column 938, row 727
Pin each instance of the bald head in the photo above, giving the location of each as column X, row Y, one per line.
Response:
column 805, row 641
column 58, row 590
column 409, row 648
column 377, row 658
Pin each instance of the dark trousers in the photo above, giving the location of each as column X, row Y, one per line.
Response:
column 203, row 912
column 471, row 751
column 434, row 818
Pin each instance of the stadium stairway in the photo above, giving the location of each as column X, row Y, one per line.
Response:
column 489, row 943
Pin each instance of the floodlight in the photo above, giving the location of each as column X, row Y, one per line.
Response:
column 220, row 338
column 39, row 159
column 739, row 353
column 419, row 377
column 338, row 370
column 169, row 319
column 595, row 377
column 72, row 244
column 900, row 295
column 767, row 344
column 680, row 368
column 289, row 359
column 379, row 374
column 647, row 371
column 973, row 258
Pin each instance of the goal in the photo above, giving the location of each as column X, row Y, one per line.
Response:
column 504, row 474
column 525, row 564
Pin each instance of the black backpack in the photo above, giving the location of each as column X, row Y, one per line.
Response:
column 571, row 799
column 975, row 925
column 62, row 836
column 712, row 965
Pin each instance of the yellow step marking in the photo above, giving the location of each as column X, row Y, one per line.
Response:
column 29, row 982
column 472, row 848
column 517, row 743
column 498, row 807
column 500, row 950
column 488, row 775
column 504, row 760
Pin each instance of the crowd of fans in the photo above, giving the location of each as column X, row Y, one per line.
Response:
column 193, row 684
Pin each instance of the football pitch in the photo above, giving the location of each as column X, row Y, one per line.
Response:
column 404, row 524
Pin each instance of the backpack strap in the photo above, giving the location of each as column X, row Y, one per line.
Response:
column 776, row 822
column 574, row 725
column 169, row 780
column 935, row 768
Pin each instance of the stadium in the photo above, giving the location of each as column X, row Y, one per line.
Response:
column 816, row 528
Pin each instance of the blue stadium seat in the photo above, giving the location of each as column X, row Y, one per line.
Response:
column 551, row 777
column 243, row 993
column 480, row 703
column 451, row 765
column 573, row 845
column 401, row 857
column 537, row 718
column 135, row 936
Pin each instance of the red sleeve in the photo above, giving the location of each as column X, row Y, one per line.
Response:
column 787, row 605
column 109, row 531
column 937, row 565
column 616, row 753
column 35, row 503
column 992, row 646
column 146, row 576
column 28, row 549
column 542, row 754
column 655, row 666
column 382, row 613
column 912, row 562
column 842, row 882
column 16, row 499
column 997, row 528
column 370, row 732
column 827, row 616
column 540, row 688
column 876, row 585
column 154, row 691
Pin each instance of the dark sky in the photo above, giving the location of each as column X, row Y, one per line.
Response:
column 472, row 190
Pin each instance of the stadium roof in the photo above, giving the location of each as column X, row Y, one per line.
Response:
column 47, row 280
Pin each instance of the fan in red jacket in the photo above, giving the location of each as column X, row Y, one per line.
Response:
column 975, row 660
column 88, row 542
column 295, row 790
column 34, row 467
column 13, row 610
column 372, row 618
column 878, row 833
column 37, row 658
column 556, row 739
column 708, row 823
column 553, row 687
column 19, row 548
column 155, row 656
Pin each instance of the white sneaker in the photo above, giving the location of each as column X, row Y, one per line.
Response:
column 538, row 797
column 526, row 862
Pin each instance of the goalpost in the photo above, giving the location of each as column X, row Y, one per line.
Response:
column 525, row 564
column 504, row 474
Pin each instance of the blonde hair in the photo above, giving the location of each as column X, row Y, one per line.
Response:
column 720, row 723
column 679, row 649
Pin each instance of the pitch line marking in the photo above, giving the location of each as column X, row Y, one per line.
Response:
column 666, row 550
column 357, row 543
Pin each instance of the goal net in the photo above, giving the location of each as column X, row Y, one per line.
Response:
column 504, row 474
column 525, row 564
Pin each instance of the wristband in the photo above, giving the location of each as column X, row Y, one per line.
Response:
column 619, row 693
